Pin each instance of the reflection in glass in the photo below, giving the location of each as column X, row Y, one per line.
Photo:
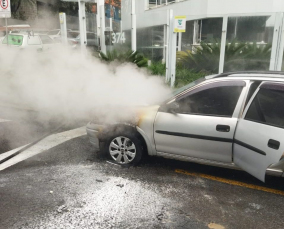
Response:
column 249, row 42
column 150, row 41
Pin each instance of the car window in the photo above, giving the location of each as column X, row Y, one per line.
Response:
column 13, row 40
column 34, row 40
column 46, row 39
column 217, row 100
column 72, row 34
column 268, row 106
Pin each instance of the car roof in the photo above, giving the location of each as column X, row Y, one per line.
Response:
column 248, row 74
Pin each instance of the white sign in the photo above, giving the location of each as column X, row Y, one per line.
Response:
column 180, row 23
column 118, row 37
column 5, row 9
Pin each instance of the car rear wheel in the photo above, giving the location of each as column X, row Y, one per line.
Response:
column 124, row 149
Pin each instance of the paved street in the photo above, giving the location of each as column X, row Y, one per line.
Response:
column 72, row 186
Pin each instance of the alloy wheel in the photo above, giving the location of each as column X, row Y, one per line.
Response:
column 122, row 150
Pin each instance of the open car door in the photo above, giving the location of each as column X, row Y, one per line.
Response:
column 259, row 137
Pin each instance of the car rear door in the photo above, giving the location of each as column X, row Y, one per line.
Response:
column 259, row 137
column 204, row 124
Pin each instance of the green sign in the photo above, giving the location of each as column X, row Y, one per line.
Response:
column 13, row 40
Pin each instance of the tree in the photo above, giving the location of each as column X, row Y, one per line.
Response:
column 16, row 8
column 15, row 5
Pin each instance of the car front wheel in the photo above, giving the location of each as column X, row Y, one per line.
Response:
column 124, row 149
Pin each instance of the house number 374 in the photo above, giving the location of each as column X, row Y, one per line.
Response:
column 118, row 38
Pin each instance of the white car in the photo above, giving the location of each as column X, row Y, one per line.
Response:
column 232, row 120
column 28, row 40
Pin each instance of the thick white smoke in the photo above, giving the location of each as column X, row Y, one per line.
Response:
column 63, row 82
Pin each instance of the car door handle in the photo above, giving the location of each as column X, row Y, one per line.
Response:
column 273, row 144
column 223, row 128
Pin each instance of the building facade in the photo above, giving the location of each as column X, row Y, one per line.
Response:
column 221, row 27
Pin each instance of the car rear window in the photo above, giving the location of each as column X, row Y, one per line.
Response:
column 13, row 40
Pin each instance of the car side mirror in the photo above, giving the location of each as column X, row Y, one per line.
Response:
column 173, row 107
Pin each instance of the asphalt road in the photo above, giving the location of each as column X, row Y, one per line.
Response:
column 72, row 186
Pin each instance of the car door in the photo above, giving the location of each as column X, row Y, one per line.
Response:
column 204, row 123
column 259, row 138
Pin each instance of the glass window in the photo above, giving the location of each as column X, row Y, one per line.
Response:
column 91, row 36
column 200, row 45
column 268, row 107
column 34, row 40
column 249, row 42
column 46, row 40
column 150, row 42
column 216, row 101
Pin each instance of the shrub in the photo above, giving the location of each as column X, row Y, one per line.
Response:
column 183, row 76
column 238, row 56
column 157, row 68
column 128, row 56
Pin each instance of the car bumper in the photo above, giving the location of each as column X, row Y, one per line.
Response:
column 92, row 132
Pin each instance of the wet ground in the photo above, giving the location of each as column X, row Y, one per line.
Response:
column 72, row 186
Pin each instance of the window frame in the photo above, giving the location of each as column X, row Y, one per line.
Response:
column 216, row 84
column 266, row 85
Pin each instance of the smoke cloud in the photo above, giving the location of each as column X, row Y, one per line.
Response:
column 64, row 83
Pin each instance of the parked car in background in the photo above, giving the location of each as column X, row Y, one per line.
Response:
column 92, row 39
column 28, row 41
column 230, row 120
column 13, row 29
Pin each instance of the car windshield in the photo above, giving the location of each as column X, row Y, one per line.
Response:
column 177, row 91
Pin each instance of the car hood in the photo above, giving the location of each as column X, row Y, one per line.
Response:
column 122, row 114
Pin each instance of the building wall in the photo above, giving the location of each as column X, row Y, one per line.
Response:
column 197, row 9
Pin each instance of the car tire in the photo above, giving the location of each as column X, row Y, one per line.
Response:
column 124, row 148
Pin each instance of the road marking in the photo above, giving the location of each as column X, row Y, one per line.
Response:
column 11, row 152
column 4, row 120
column 43, row 145
column 232, row 182
column 215, row 226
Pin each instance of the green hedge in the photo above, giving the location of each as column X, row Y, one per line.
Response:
column 183, row 75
